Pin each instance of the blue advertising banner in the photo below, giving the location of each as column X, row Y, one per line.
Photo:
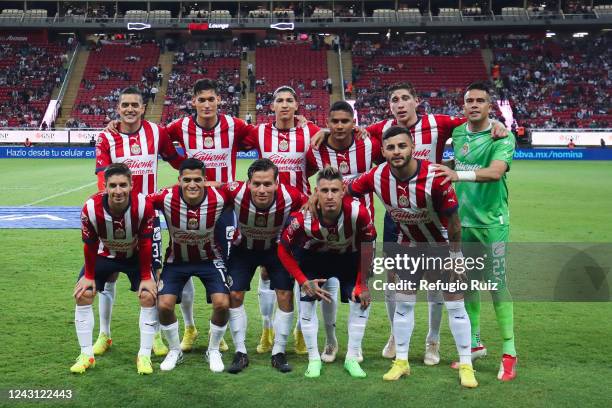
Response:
column 553, row 154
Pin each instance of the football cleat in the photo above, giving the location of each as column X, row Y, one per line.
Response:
column 223, row 347
column 143, row 364
column 83, row 362
column 241, row 361
column 432, row 353
column 300, row 344
column 102, row 344
column 479, row 351
column 159, row 348
column 214, row 361
column 507, row 368
column 266, row 341
column 173, row 358
column 399, row 369
column 466, row 375
column 189, row 337
column 329, row 354
column 359, row 357
column 279, row 361
column 352, row 366
column 389, row 349
column 314, row 369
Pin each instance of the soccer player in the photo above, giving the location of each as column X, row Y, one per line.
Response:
column 191, row 210
column 422, row 209
column 352, row 156
column 262, row 206
column 136, row 143
column 480, row 171
column 338, row 242
column 116, row 227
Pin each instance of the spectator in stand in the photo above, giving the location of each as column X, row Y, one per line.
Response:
column 571, row 144
column 27, row 143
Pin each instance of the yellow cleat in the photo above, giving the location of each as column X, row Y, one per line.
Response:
column 189, row 338
column 223, row 345
column 266, row 342
column 159, row 348
column 102, row 344
column 83, row 362
column 399, row 369
column 143, row 363
column 466, row 375
column 300, row 344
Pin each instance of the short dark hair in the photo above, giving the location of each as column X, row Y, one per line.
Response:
column 479, row 86
column 130, row 90
column 117, row 169
column 329, row 173
column 343, row 106
column 396, row 130
column 262, row 165
column 285, row 88
column 403, row 85
column 205, row 84
column 192, row 164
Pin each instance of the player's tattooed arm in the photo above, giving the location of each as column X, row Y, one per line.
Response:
column 494, row 172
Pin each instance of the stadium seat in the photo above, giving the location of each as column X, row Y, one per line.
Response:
column 449, row 14
column 409, row 14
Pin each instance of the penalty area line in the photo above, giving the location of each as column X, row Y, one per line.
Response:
column 60, row 194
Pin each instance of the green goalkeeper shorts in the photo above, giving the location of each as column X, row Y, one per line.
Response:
column 489, row 243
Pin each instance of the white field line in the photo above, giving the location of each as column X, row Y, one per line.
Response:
column 60, row 194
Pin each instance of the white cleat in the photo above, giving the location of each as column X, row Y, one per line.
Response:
column 432, row 354
column 329, row 354
column 214, row 361
column 173, row 358
column 389, row 349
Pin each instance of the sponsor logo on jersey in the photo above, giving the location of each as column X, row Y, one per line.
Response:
column 190, row 238
column 410, row 216
column 212, row 159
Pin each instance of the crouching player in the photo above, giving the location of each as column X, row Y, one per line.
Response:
column 262, row 206
column 191, row 210
column 117, row 229
column 337, row 242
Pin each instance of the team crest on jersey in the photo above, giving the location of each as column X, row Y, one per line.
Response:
column 333, row 237
column 208, row 142
column 192, row 224
column 135, row 149
column 344, row 168
column 119, row 233
column 465, row 149
column 283, row 145
column 403, row 201
column 233, row 185
column 260, row 220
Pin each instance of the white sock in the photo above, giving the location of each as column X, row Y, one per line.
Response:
column 282, row 327
column 356, row 328
column 267, row 299
column 329, row 310
column 84, row 323
column 238, row 327
column 310, row 328
column 105, row 307
column 171, row 333
column 187, row 302
column 148, row 324
column 297, row 294
column 403, row 324
column 216, row 334
column 459, row 323
column 390, row 305
column 435, row 301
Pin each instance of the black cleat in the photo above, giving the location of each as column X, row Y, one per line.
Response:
column 240, row 362
column 279, row 361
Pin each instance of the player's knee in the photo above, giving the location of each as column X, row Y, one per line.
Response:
column 221, row 304
column 264, row 273
column 146, row 299
column 236, row 298
column 285, row 300
column 165, row 306
column 86, row 298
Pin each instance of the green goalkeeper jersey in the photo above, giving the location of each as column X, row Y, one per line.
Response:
column 482, row 205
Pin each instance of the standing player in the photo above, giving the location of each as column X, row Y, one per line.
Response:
column 351, row 156
column 117, row 226
column 136, row 143
column 338, row 242
column 481, row 165
column 262, row 207
column 422, row 209
column 191, row 210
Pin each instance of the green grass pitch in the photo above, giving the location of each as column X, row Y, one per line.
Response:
column 564, row 352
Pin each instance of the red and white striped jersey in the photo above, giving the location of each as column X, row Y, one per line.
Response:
column 260, row 229
column 419, row 206
column 353, row 227
column 351, row 162
column 191, row 228
column 139, row 152
column 216, row 147
column 117, row 236
column 287, row 149
column 430, row 134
